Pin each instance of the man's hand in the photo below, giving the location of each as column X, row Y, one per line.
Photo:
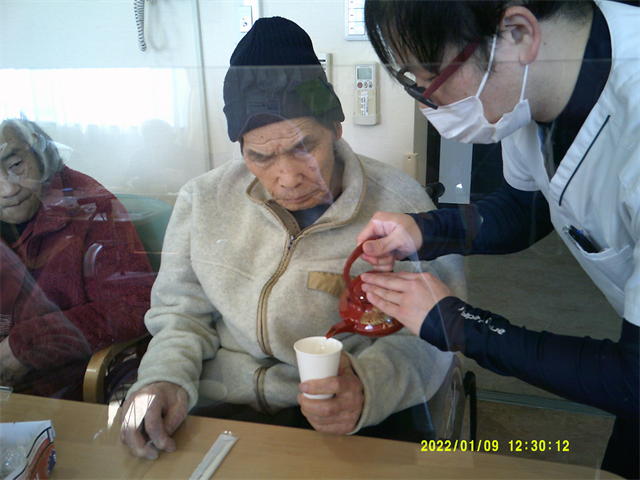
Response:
column 398, row 237
column 407, row 297
column 159, row 409
column 341, row 413
column 11, row 369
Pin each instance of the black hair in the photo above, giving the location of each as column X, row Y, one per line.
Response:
column 405, row 31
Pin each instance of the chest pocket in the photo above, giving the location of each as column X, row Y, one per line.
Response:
column 331, row 283
column 610, row 270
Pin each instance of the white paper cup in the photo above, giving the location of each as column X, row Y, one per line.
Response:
column 318, row 357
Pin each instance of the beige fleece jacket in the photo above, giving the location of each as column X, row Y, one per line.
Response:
column 240, row 283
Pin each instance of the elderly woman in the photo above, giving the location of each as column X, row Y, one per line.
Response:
column 73, row 271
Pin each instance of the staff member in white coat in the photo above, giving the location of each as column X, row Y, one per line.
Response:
column 559, row 84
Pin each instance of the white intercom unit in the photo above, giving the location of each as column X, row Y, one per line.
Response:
column 246, row 13
column 325, row 61
column 367, row 95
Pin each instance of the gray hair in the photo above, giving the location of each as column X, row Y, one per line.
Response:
column 49, row 160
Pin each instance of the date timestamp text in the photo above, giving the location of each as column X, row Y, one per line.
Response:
column 494, row 446
column 460, row 446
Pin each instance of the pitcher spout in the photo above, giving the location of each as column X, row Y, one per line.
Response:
column 338, row 328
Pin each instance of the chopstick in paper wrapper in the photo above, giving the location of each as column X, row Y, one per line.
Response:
column 214, row 457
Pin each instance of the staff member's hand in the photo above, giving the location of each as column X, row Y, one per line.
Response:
column 407, row 297
column 338, row 414
column 159, row 408
column 399, row 237
column 11, row 369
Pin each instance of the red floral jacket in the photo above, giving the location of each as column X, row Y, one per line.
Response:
column 88, row 284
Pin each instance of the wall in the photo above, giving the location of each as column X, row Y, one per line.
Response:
column 39, row 34
column 95, row 33
column 74, row 36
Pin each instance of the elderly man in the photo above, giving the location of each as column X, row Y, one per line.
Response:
column 253, row 261
column 73, row 278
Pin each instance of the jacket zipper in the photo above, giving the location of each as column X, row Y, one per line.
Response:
column 263, row 336
column 258, row 386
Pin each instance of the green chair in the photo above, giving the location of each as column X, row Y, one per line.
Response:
column 150, row 216
column 114, row 368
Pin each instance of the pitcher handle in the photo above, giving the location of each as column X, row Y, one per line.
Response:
column 346, row 273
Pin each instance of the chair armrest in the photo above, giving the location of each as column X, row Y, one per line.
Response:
column 93, row 385
column 444, row 405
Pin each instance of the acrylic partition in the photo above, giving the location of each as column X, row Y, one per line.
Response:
column 139, row 109
column 135, row 130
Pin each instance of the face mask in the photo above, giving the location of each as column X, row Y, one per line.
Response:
column 464, row 120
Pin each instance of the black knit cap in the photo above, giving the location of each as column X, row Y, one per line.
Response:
column 275, row 75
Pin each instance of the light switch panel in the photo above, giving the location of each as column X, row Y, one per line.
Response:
column 354, row 20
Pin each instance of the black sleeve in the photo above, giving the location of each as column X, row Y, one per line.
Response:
column 506, row 221
column 600, row 373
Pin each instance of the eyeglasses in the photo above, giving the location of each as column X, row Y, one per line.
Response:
column 423, row 94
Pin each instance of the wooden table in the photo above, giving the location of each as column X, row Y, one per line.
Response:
column 87, row 446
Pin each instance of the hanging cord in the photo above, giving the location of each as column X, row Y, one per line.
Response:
column 138, row 8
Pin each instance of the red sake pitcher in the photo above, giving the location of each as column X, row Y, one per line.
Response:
column 357, row 313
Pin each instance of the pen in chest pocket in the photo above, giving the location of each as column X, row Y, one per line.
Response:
column 581, row 239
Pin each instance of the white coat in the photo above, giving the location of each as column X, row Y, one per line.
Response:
column 596, row 187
